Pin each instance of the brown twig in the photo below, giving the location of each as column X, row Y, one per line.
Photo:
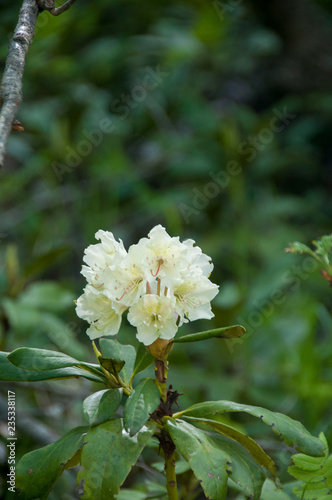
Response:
column 50, row 6
column 59, row 10
column 46, row 4
column 11, row 85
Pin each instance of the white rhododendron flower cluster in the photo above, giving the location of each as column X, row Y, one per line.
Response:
column 161, row 281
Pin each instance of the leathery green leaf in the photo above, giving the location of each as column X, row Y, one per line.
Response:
column 254, row 449
column 315, row 474
column 246, row 473
column 10, row 372
column 38, row 470
column 101, row 405
column 111, row 365
column 29, row 358
column 289, row 430
column 118, row 354
column 143, row 360
column 141, row 403
column 227, row 332
column 108, row 456
column 271, row 492
column 210, row 464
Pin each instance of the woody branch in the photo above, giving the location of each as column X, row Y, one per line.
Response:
column 11, row 85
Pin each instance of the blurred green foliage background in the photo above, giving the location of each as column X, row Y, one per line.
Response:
column 211, row 118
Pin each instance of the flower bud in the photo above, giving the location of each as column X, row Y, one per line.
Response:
column 160, row 348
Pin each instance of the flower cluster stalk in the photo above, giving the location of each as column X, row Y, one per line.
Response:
column 171, row 484
column 112, row 380
column 161, row 283
column 161, row 370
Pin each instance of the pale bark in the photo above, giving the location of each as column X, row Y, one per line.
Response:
column 11, row 85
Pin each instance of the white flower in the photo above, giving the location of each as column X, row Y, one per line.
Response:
column 103, row 314
column 197, row 259
column 160, row 255
column 162, row 281
column 153, row 317
column 126, row 282
column 100, row 256
column 193, row 297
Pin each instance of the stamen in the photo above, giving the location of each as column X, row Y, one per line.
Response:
column 99, row 286
column 100, row 329
column 158, row 286
column 165, row 291
column 148, row 288
column 124, row 293
column 136, row 282
column 159, row 266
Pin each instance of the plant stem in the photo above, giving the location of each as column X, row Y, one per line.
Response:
column 165, row 407
column 161, row 370
column 11, row 86
column 171, row 477
column 127, row 390
column 113, row 381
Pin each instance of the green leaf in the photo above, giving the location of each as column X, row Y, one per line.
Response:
column 143, row 360
column 111, row 365
column 23, row 318
column 243, row 471
column 209, row 463
column 152, row 491
column 141, row 403
column 254, row 449
column 30, row 358
column 47, row 295
column 324, row 245
column 117, row 354
column 227, row 332
column 101, row 405
column 75, row 460
column 271, row 492
column 38, row 470
column 62, row 335
column 131, row 495
column 316, row 474
column 290, row 431
column 297, row 247
column 155, row 490
column 246, row 473
column 181, row 466
column 9, row 372
column 321, row 253
column 42, row 262
column 108, row 456
column 26, row 320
